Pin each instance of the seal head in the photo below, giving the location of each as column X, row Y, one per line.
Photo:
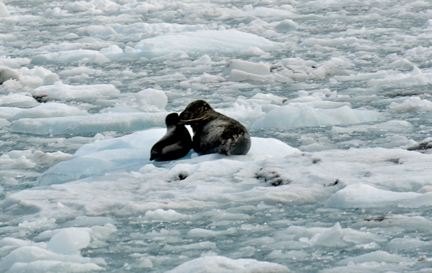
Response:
column 175, row 144
column 215, row 132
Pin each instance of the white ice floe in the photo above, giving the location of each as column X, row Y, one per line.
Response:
column 7, row 73
column 44, row 110
column 61, row 252
column 23, row 100
column 99, row 123
column 70, row 57
column 303, row 115
column 411, row 104
column 4, row 12
column 69, row 241
column 65, row 92
column 226, row 265
column 132, row 152
column 204, row 42
column 195, row 43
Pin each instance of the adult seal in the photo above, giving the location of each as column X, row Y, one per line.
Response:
column 215, row 132
column 176, row 143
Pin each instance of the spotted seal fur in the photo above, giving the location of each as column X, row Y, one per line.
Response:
column 215, row 132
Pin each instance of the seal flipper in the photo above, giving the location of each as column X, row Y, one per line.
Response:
column 225, row 147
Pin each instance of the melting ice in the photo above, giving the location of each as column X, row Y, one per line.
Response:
column 335, row 94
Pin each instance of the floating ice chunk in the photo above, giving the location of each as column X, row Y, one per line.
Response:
column 249, row 67
column 28, row 254
column 271, row 147
column 268, row 98
column 166, row 215
column 4, row 123
column 360, row 195
column 301, row 70
column 243, row 113
column 368, row 267
column 152, row 100
column 44, row 160
column 21, row 162
column 222, row 264
column 36, row 77
column 336, row 42
column 50, row 109
column 66, row 92
column 286, row 26
column 53, row 12
column 98, row 123
column 428, row 24
column 334, row 236
column 9, row 242
column 4, row 12
column 411, row 104
column 132, row 152
column 406, row 244
column 204, row 42
column 415, row 77
column 69, row 241
column 80, row 70
column 81, row 221
column 40, row 223
column 53, row 266
column 331, row 237
column 79, row 6
column 156, row 29
column 239, row 76
column 239, row 70
column 376, row 256
column 105, row 33
column 300, row 115
column 271, row 13
column 255, row 107
column 126, row 153
column 253, row 51
column 111, row 50
column 7, row 73
column 7, row 37
column 388, row 126
column 70, row 56
column 29, row 159
column 203, row 60
column 18, row 100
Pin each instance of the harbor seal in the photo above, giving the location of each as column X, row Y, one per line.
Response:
column 215, row 132
column 176, row 143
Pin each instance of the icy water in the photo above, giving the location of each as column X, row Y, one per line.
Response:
column 335, row 94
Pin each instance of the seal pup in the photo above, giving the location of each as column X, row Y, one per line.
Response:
column 215, row 132
column 176, row 143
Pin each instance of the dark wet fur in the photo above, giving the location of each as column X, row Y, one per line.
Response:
column 175, row 144
column 215, row 132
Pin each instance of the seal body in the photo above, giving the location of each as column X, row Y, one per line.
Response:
column 176, row 143
column 215, row 132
